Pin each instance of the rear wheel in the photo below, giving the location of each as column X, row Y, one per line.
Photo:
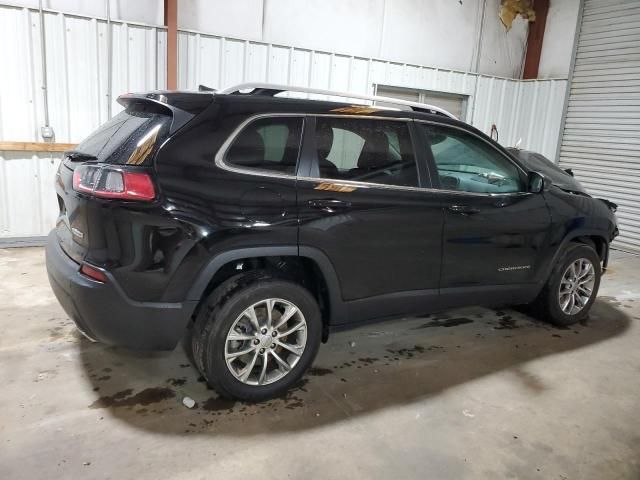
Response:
column 572, row 288
column 256, row 336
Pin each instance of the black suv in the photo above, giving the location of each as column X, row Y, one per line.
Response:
column 253, row 225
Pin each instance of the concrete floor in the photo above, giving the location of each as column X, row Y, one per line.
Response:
column 473, row 393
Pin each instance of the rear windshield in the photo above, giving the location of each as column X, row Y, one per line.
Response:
column 131, row 137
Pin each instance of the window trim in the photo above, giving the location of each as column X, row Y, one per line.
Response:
column 497, row 150
column 224, row 148
column 219, row 158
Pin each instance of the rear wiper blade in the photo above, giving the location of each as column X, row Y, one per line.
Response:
column 75, row 156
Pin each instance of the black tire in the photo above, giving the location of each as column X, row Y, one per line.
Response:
column 547, row 304
column 217, row 316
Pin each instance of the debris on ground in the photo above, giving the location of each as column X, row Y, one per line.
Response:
column 188, row 402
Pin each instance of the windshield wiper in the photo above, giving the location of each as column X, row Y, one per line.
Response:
column 76, row 156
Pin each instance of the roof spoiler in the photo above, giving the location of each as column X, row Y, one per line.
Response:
column 182, row 106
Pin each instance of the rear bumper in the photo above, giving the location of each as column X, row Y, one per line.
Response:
column 102, row 311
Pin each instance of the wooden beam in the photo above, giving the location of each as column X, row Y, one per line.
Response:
column 171, row 22
column 35, row 147
column 535, row 39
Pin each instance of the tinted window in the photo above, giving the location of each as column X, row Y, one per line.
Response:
column 376, row 151
column 270, row 144
column 131, row 137
column 468, row 164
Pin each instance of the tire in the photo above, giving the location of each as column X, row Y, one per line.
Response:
column 549, row 304
column 219, row 358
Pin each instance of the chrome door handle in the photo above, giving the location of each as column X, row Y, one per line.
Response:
column 464, row 209
column 329, row 205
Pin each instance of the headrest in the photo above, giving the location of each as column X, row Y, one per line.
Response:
column 375, row 152
column 324, row 139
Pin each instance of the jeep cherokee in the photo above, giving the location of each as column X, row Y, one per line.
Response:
column 253, row 225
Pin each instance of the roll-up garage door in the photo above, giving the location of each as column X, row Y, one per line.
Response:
column 601, row 138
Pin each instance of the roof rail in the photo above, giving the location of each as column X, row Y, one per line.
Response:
column 273, row 89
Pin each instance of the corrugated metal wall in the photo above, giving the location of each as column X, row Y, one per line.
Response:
column 77, row 66
column 77, row 80
column 601, row 139
column 527, row 110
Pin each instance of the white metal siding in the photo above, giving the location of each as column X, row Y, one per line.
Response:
column 601, row 138
column 76, row 71
column 76, row 61
column 530, row 111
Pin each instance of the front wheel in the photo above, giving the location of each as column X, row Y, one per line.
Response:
column 572, row 288
column 255, row 338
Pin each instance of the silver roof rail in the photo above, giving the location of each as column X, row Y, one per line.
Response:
column 273, row 89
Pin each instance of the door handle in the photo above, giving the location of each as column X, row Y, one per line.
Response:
column 464, row 209
column 329, row 205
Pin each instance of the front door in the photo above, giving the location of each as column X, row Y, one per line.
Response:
column 495, row 232
column 361, row 203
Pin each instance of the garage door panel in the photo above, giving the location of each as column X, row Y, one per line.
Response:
column 606, row 75
column 612, row 112
column 592, row 23
column 595, row 148
column 605, row 13
column 586, row 160
column 631, row 155
column 601, row 137
column 632, row 143
column 607, row 57
column 617, row 44
column 580, row 103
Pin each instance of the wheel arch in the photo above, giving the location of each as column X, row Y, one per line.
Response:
column 308, row 263
column 594, row 238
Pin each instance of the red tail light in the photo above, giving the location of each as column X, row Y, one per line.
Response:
column 93, row 273
column 111, row 182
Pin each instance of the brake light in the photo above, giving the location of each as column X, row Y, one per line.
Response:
column 110, row 182
column 93, row 273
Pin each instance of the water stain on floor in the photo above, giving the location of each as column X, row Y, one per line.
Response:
column 125, row 398
column 448, row 322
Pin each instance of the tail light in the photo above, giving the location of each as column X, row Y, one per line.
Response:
column 93, row 273
column 105, row 181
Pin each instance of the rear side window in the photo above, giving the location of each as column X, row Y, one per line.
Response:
column 466, row 163
column 131, row 137
column 268, row 144
column 375, row 151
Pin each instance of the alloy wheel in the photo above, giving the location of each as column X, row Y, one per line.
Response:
column 576, row 286
column 265, row 342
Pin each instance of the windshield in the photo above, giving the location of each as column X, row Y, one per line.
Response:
column 131, row 137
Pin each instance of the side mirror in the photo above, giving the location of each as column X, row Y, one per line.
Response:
column 538, row 183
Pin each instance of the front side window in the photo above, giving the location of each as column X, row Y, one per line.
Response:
column 269, row 144
column 375, row 151
column 466, row 163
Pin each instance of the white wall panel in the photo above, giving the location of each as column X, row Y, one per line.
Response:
column 77, row 87
column 29, row 205
column 411, row 31
column 529, row 111
column 77, row 76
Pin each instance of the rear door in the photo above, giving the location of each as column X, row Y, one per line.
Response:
column 362, row 204
column 495, row 232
